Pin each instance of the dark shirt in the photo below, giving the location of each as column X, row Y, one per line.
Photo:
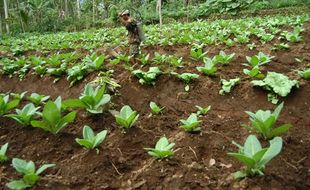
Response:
column 133, row 34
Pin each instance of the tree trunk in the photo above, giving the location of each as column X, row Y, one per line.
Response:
column 1, row 32
column 66, row 9
column 158, row 8
column 6, row 16
column 94, row 11
column 78, row 9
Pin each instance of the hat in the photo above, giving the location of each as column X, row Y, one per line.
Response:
column 126, row 12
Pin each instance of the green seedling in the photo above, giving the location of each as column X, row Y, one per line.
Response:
column 277, row 84
column 25, row 115
column 94, row 100
column 6, row 105
column 197, row 52
column 223, row 58
column 127, row 117
column 202, row 111
column 148, row 77
column 258, row 60
column 191, row 124
column 37, row 99
column 91, row 140
column 209, row 67
column 263, row 122
column 30, row 175
column 304, row 73
column 3, row 150
column 155, row 108
column 254, row 157
column 228, row 85
column 163, row 149
column 52, row 119
column 254, row 72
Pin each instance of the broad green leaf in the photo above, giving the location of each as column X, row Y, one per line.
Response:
column 44, row 167
column 17, row 185
column 274, row 149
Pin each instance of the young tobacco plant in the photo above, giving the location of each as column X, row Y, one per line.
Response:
column 223, row 58
column 191, row 124
column 91, row 140
column 25, row 115
column 304, row 73
column 30, row 175
column 186, row 77
column 263, row 122
column 148, row 77
column 276, row 84
column 228, row 85
column 209, row 68
column 163, row 149
column 37, row 99
column 94, row 62
column 197, row 52
column 254, row 157
column 6, row 105
column 52, row 119
column 3, row 150
column 155, row 108
column 18, row 96
column 254, row 72
column 202, row 111
column 259, row 59
column 127, row 117
column 92, row 99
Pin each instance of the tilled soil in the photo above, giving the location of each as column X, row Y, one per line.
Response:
column 200, row 161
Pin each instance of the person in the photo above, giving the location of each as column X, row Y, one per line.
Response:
column 133, row 34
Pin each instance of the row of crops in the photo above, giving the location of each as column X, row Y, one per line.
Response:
column 53, row 116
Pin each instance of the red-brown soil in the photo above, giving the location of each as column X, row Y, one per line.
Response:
column 122, row 163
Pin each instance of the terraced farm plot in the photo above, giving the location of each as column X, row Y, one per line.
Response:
column 232, row 66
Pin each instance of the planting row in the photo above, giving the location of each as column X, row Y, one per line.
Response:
column 227, row 32
column 56, row 115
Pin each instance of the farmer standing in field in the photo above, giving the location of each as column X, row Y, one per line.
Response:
column 134, row 34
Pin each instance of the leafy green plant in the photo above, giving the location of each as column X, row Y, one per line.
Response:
column 91, row 140
column 209, row 67
column 94, row 62
column 76, row 73
column 292, row 36
column 155, row 108
column 197, row 52
column 263, row 122
column 254, row 72
column 281, row 46
column 191, row 124
column 94, row 100
column 52, row 120
column 223, row 58
column 25, row 115
column 254, row 157
column 228, row 85
column 175, row 61
column 18, row 96
column 163, row 149
column 159, row 58
column 202, row 111
column 304, row 73
column 3, row 150
column 126, row 117
column 37, row 99
column 144, row 59
column 29, row 172
column 6, row 105
column 259, row 59
column 186, row 77
column 148, row 77
column 276, row 84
